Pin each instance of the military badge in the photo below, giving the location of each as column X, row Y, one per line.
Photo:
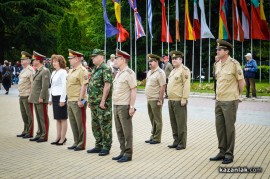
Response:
column 173, row 55
column 186, row 76
column 176, row 78
column 85, row 77
column 239, row 72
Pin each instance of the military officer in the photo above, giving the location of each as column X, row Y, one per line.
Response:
column 100, row 102
column 77, row 80
column 24, row 87
column 154, row 91
column 230, row 83
column 124, row 95
column 178, row 93
column 39, row 97
column 167, row 67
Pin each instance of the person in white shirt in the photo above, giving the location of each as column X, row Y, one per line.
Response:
column 112, row 65
column 58, row 98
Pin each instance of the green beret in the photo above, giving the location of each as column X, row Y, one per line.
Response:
column 176, row 54
column 154, row 57
column 222, row 44
column 98, row 52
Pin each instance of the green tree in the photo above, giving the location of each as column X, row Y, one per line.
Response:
column 63, row 35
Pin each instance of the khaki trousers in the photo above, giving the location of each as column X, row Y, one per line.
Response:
column 155, row 115
column 27, row 115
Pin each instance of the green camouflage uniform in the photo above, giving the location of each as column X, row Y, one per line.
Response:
column 101, row 119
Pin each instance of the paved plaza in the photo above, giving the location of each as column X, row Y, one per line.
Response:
column 20, row 158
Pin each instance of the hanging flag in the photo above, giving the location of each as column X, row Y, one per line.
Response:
column 139, row 32
column 164, row 32
column 238, row 33
column 196, row 22
column 177, row 35
column 123, row 34
column 223, row 32
column 265, row 27
column 110, row 29
column 150, row 17
column 245, row 19
column 190, row 34
column 205, row 31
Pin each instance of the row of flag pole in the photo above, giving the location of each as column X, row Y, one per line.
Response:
column 254, row 27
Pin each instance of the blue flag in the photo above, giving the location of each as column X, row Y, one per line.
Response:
column 110, row 29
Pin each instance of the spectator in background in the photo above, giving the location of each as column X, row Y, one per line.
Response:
column 249, row 73
column 214, row 74
column 167, row 67
column 111, row 64
column 6, row 76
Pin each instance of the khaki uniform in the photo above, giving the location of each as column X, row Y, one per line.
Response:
column 178, row 90
column 124, row 81
column 40, row 89
column 76, row 78
column 227, row 74
column 155, row 79
column 24, row 87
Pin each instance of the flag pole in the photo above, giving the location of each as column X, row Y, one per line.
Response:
column 233, row 28
column 130, row 50
column 168, row 27
column 121, row 22
column 146, row 36
column 209, row 44
column 201, row 60
column 260, row 60
column 185, row 39
column 135, row 54
column 242, row 53
column 151, row 35
column 105, row 42
column 192, row 68
column 162, row 48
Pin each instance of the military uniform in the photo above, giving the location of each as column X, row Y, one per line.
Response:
column 24, row 87
column 178, row 90
column 154, row 81
column 40, row 89
column 167, row 69
column 124, row 81
column 228, row 74
column 76, row 78
column 101, row 118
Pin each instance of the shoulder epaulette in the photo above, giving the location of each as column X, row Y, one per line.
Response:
column 186, row 68
column 129, row 71
column 234, row 61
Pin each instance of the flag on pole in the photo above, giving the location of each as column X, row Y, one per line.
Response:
column 238, row 33
column 190, row 34
column 205, row 31
column 139, row 32
column 110, row 29
column 123, row 34
column 196, row 22
column 245, row 19
column 150, row 17
column 177, row 35
column 265, row 28
column 164, row 25
column 223, row 32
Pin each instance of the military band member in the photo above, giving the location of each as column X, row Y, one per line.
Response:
column 154, row 91
column 178, row 93
column 24, row 87
column 230, row 83
column 124, row 95
column 77, row 80
column 39, row 97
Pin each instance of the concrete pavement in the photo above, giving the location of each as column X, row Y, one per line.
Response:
column 20, row 158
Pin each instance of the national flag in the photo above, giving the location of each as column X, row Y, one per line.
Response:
column 150, row 17
column 177, row 35
column 139, row 32
column 164, row 32
column 205, row 31
column 245, row 19
column 110, row 29
column 196, row 22
column 190, row 34
column 123, row 34
column 238, row 33
column 223, row 32
column 265, row 27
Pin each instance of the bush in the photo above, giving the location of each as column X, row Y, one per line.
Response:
column 265, row 72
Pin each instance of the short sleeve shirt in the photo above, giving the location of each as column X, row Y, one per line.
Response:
column 124, row 81
column 25, row 81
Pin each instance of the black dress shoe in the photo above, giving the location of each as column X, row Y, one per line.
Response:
column 154, row 142
column 179, row 148
column 227, row 161
column 118, row 157
column 124, row 159
column 58, row 143
column 34, row 139
column 148, row 141
column 104, row 152
column 217, row 158
column 72, row 147
column 172, row 146
column 78, row 149
column 21, row 135
column 41, row 140
column 55, row 142
column 27, row 136
column 94, row 150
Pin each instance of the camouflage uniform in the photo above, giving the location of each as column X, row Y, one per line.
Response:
column 101, row 119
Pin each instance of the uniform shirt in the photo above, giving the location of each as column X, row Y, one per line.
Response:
column 123, row 82
column 179, row 84
column 25, row 81
column 76, row 78
column 168, row 68
column 40, row 85
column 228, row 74
column 155, row 79
column 58, row 84
column 99, row 76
